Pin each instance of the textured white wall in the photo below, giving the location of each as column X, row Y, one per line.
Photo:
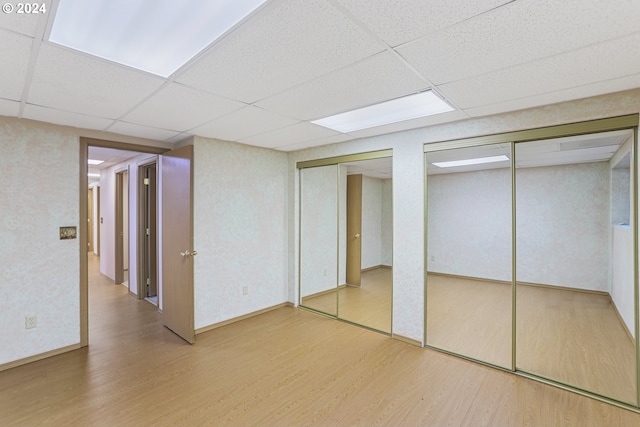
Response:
column 319, row 226
column 240, row 229
column 622, row 274
column 469, row 224
column 387, row 222
column 38, row 271
column 563, row 225
column 371, row 222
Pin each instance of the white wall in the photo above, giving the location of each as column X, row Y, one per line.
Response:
column 377, row 207
column 319, row 223
column 240, row 229
column 38, row 271
column 371, row 222
column 563, row 225
column 387, row 223
column 469, row 224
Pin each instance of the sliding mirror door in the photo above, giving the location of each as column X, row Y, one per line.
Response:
column 366, row 256
column 575, row 317
column 469, row 252
column 319, row 270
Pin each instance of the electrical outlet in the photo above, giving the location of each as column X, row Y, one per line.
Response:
column 433, row 258
column 30, row 322
column 245, row 290
column 325, row 271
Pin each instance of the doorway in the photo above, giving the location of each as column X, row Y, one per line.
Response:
column 122, row 227
column 148, row 232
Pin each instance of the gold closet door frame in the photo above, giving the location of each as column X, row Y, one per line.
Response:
column 329, row 161
column 630, row 121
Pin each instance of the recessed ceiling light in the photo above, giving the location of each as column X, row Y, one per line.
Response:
column 397, row 110
column 93, row 175
column 150, row 35
column 95, row 162
column 467, row 162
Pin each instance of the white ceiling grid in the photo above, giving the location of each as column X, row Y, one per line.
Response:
column 294, row 61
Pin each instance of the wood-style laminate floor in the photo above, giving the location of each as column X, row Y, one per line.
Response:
column 288, row 367
column 368, row 304
column 568, row 336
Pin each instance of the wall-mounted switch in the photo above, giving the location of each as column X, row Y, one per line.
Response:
column 245, row 290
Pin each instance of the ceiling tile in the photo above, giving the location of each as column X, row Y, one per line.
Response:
column 22, row 23
column 9, row 108
column 399, row 22
column 283, row 45
column 378, row 78
column 13, row 72
column 243, row 123
column 125, row 128
column 316, row 142
column 290, row 135
column 517, row 33
column 50, row 115
column 77, row 82
column 589, row 90
column 411, row 124
column 616, row 58
column 180, row 108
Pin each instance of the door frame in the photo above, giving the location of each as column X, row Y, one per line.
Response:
column 141, row 248
column 84, row 145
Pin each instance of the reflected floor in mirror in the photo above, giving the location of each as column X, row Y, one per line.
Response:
column 569, row 336
column 576, row 338
column 368, row 304
column 470, row 317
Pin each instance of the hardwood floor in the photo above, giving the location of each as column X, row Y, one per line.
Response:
column 288, row 367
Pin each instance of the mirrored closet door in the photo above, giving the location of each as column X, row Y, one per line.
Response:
column 346, row 231
column 575, row 262
column 469, row 262
column 319, row 270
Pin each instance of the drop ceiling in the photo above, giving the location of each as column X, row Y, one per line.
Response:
column 295, row 61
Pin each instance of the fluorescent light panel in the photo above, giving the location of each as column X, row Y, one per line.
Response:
column 467, row 162
column 94, row 162
column 158, row 36
column 93, row 175
column 397, row 110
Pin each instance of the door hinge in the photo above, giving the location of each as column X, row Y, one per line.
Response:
column 148, row 232
column 148, row 281
column 146, row 181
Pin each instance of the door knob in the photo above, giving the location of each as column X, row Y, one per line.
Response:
column 185, row 253
column 194, row 253
column 357, row 235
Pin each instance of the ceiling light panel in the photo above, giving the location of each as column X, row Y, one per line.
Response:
column 397, row 110
column 94, row 162
column 157, row 36
column 468, row 162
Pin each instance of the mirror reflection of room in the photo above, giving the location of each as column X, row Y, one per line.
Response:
column 575, row 262
column 319, row 272
column 366, row 296
column 469, row 252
